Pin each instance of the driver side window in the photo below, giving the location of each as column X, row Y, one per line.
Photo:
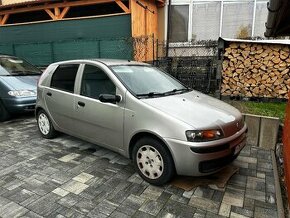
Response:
column 96, row 82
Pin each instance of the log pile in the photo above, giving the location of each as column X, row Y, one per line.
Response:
column 256, row 70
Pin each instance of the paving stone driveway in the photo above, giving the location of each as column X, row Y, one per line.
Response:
column 67, row 177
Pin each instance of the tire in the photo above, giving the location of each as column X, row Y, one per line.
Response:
column 4, row 114
column 153, row 161
column 45, row 126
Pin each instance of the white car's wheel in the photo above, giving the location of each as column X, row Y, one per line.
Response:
column 153, row 161
column 45, row 126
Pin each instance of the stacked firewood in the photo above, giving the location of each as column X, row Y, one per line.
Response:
column 256, row 70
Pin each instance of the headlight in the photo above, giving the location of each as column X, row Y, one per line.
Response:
column 22, row 93
column 203, row 135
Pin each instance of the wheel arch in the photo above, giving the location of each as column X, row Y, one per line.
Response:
column 143, row 134
column 37, row 109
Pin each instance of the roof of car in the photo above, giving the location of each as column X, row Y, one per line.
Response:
column 108, row 62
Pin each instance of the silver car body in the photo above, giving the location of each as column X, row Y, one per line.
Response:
column 118, row 126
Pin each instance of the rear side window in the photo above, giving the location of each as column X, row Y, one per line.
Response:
column 64, row 77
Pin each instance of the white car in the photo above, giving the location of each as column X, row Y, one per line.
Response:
column 141, row 112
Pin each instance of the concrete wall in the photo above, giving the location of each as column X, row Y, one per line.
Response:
column 262, row 131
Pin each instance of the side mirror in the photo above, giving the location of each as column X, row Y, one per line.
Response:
column 108, row 98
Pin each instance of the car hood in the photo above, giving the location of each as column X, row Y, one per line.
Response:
column 21, row 82
column 199, row 111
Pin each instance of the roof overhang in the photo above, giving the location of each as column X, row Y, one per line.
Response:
column 278, row 22
column 279, row 42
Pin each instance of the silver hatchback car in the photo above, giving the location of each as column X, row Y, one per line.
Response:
column 142, row 113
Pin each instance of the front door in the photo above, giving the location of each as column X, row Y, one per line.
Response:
column 99, row 122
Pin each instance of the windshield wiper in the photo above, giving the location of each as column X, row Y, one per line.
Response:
column 150, row 94
column 177, row 90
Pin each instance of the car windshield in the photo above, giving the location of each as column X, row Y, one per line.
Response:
column 12, row 66
column 147, row 81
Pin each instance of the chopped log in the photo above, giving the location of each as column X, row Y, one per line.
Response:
column 251, row 69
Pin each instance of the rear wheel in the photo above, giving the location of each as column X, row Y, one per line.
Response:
column 45, row 126
column 153, row 161
column 4, row 114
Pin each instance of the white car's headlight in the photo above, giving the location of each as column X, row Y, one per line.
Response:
column 22, row 93
column 203, row 135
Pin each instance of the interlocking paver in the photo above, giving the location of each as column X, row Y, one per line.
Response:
column 61, row 192
column 151, row 207
column 83, row 177
column 67, row 177
column 225, row 209
column 234, row 197
column 74, row 187
column 204, row 204
column 12, row 210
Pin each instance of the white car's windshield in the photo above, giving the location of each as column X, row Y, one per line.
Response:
column 13, row 66
column 148, row 81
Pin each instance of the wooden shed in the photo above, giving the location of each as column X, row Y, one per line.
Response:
column 44, row 31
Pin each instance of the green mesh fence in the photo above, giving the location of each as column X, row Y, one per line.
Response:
column 39, row 54
column 6, row 49
column 69, row 50
column 42, row 54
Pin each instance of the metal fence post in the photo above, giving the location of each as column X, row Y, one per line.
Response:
column 52, row 51
column 99, row 45
column 13, row 49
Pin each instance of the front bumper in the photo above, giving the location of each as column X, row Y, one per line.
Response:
column 19, row 105
column 203, row 158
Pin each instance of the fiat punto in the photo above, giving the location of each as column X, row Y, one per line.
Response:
column 142, row 113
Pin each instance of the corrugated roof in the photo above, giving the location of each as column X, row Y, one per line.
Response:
column 280, row 42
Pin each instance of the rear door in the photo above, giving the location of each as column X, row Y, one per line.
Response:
column 99, row 122
column 59, row 97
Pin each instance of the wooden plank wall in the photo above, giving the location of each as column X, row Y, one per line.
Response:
column 144, row 24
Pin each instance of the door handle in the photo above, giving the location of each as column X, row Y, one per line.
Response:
column 49, row 94
column 81, row 104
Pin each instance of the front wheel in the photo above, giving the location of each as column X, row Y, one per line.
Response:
column 153, row 161
column 45, row 126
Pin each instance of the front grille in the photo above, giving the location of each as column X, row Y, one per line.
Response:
column 213, row 165
column 212, row 149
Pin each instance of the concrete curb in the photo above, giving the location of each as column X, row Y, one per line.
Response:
column 279, row 201
column 263, row 131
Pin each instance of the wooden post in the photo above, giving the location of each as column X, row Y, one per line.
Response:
column 64, row 12
column 3, row 19
column 121, row 5
column 56, row 13
column 49, row 12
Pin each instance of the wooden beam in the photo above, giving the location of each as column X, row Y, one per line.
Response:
column 121, row 5
column 3, row 19
column 64, row 12
column 49, row 12
column 53, row 5
column 56, row 13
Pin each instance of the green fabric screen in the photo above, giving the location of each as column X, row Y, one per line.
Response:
column 44, row 43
